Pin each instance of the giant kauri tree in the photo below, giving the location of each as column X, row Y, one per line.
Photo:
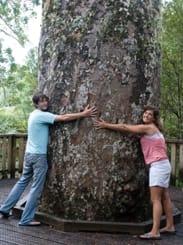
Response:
column 104, row 53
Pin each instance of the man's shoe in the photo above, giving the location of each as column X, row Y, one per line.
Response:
column 31, row 223
column 4, row 215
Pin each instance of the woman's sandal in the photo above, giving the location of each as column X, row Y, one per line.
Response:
column 167, row 232
column 149, row 236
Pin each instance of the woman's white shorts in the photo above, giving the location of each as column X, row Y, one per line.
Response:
column 159, row 173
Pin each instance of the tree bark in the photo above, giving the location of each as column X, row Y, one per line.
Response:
column 103, row 53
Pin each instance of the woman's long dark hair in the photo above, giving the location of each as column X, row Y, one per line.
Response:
column 156, row 115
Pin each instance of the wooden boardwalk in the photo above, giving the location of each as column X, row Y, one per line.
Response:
column 11, row 233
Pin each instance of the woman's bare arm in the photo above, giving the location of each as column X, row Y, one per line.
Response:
column 139, row 129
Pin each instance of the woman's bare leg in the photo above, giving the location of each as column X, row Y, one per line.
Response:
column 156, row 198
column 168, row 209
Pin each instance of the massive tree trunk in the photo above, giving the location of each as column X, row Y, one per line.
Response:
column 104, row 53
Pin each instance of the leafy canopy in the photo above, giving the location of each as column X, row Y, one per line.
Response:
column 17, row 82
column 172, row 69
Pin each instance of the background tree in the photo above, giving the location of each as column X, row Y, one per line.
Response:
column 17, row 87
column 172, row 69
column 104, row 53
column 17, row 82
column 14, row 16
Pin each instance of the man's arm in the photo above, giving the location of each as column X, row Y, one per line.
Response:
column 88, row 112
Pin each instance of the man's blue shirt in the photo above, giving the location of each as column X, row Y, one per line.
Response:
column 38, row 131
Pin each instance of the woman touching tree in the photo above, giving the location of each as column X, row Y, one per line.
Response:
column 155, row 155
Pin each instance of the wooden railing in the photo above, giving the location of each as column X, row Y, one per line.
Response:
column 175, row 152
column 12, row 148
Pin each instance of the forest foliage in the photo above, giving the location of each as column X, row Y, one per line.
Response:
column 172, row 69
column 18, row 82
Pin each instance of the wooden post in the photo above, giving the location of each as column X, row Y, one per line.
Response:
column 11, row 155
column 173, row 161
column 180, row 175
column 4, row 157
column 21, row 151
column 1, row 168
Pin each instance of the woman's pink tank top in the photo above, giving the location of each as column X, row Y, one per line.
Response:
column 153, row 147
